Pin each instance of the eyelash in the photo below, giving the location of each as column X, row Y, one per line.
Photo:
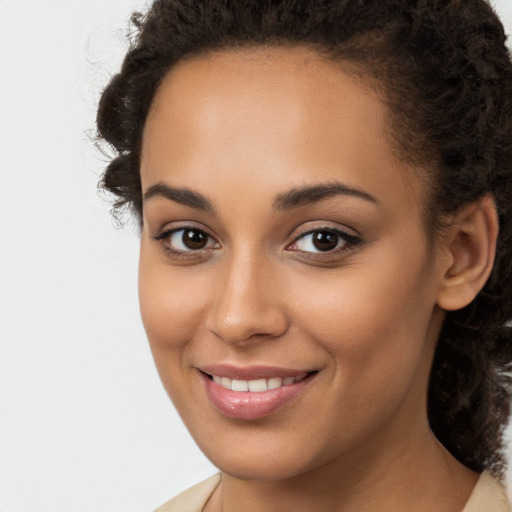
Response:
column 180, row 254
column 350, row 242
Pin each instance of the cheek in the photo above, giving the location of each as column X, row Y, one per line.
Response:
column 374, row 330
column 170, row 305
column 373, row 319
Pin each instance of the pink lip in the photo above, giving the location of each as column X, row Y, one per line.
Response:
column 246, row 405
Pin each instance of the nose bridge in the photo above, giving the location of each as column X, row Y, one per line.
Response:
column 246, row 304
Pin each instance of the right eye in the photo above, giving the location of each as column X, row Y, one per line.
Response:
column 186, row 240
column 189, row 239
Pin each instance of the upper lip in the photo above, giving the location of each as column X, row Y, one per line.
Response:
column 251, row 372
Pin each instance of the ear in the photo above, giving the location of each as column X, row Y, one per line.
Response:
column 471, row 247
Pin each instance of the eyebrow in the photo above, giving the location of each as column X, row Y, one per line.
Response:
column 183, row 196
column 312, row 194
column 294, row 198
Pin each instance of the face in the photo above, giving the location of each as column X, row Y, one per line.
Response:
column 284, row 256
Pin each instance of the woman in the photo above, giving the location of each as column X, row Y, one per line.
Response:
column 324, row 191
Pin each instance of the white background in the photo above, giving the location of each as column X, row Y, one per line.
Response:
column 84, row 422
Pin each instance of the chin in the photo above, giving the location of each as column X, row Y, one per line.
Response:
column 265, row 461
column 262, row 470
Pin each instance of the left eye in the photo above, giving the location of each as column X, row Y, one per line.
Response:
column 186, row 240
column 321, row 240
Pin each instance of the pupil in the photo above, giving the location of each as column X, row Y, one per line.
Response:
column 325, row 240
column 194, row 239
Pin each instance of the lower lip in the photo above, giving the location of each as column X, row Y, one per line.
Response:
column 247, row 405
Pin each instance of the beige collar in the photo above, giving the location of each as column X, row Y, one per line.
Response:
column 487, row 496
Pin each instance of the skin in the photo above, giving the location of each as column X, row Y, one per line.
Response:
column 242, row 128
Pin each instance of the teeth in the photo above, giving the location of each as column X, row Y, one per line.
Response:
column 240, row 385
column 256, row 386
column 275, row 383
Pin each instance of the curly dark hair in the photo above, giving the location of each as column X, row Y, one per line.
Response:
column 444, row 71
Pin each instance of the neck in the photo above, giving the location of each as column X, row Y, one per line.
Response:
column 402, row 474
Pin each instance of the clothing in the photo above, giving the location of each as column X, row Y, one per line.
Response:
column 194, row 498
column 487, row 496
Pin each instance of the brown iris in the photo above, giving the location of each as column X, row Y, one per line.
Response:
column 194, row 239
column 325, row 240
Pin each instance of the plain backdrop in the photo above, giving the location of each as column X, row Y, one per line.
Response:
column 84, row 422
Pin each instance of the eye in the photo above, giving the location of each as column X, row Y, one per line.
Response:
column 189, row 239
column 186, row 240
column 324, row 241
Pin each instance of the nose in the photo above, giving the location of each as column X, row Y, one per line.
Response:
column 246, row 306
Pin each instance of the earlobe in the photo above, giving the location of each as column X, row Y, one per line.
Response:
column 471, row 247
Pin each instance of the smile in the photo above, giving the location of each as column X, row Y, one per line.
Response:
column 257, row 385
column 253, row 393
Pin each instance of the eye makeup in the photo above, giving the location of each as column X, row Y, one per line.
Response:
column 320, row 243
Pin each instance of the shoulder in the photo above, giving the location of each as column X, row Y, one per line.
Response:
column 194, row 498
column 489, row 495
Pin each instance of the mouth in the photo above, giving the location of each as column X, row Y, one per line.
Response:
column 256, row 385
column 253, row 393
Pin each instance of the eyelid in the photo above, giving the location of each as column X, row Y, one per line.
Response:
column 172, row 227
column 352, row 241
column 310, row 227
column 346, row 236
column 177, row 254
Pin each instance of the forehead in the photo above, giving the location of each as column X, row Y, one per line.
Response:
column 228, row 114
